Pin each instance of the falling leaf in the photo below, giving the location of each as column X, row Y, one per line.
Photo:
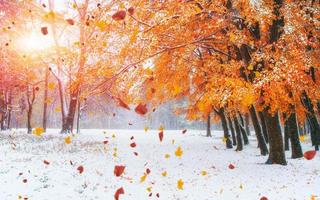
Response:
column 46, row 162
column 122, row 104
column 180, row 184
column 158, row 195
column 250, row 67
column 135, row 153
column 204, row 173
column 80, row 169
column 118, row 170
column 101, row 25
column 120, row 15
column 141, row 109
column 178, row 152
column 231, row 166
column 25, row 180
column 67, row 140
column 164, row 174
column 146, row 129
column 224, row 139
column 131, row 10
column 143, row 178
column 105, row 142
column 241, row 186
column 70, row 21
column 38, row 131
column 309, row 155
column 44, row 30
column 149, row 189
column 118, row 192
column 113, row 136
column 148, row 171
column 167, row 156
column 184, row 131
column 133, row 145
column 263, row 198
column 161, row 128
column 161, row 136
column 51, row 86
column 302, row 138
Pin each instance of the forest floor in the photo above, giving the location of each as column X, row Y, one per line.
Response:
column 45, row 167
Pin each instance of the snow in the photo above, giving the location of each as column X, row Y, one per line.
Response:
column 250, row 179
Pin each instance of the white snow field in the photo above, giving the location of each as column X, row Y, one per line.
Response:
column 203, row 167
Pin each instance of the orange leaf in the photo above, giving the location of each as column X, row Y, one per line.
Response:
column 122, row 104
column 118, row 192
column 118, row 170
column 133, row 145
column 131, row 10
column 141, row 109
column 231, row 166
column 46, row 162
column 70, row 21
column 309, row 155
column 44, row 30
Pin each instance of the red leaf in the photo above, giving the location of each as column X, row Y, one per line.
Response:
column 120, row 15
column 105, row 142
column 150, row 195
column 80, row 169
column 118, row 170
column 231, row 166
column 130, row 124
column 70, row 22
column 148, row 171
column 184, row 131
column 135, row 153
column 309, row 155
column 158, row 195
column 122, row 104
column 131, row 10
column 44, row 30
column 24, row 180
column 263, row 198
column 161, row 136
column 131, row 138
column 141, row 109
column 46, row 162
column 133, row 145
column 118, row 192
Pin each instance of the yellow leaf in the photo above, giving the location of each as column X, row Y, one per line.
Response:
column 161, row 128
column 178, row 152
column 67, row 140
column 173, row 142
column 176, row 89
column 101, row 25
column 164, row 174
column 250, row 67
column 180, row 184
column 57, row 109
column 146, row 129
column 38, row 131
column 115, row 154
column 204, row 173
column 113, row 136
column 232, row 37
column 143, row 178
column 241, row 186
column 51, row 86
column 149, row 189
column 302, row 138
column 167, row 156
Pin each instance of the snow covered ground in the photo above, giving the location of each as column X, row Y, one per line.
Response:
column 203, row 168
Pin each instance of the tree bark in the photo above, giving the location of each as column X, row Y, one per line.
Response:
column 243, row 130
column 286, row 137
column 45, row 100
column 293, row 132
column 209, row 126
column 255, row 122
column 276, row 155
column 29, row 115
column 239, row 138
column 233, row 134
column 225, row 128
column 247, row 123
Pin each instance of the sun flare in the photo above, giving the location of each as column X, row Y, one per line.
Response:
column 34, row 43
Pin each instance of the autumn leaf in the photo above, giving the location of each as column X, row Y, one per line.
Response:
column 51, row 86
column 122, row 104
column 164, row 174
column 161, row 128
column 118, row 170
column 67, row 140
column 204, row 173
column 118, row 192
column 302, row 138
column 44, row 30
column 309, row 155
column 120, row 15
column 180, row 184
column 25, row 180
column 263, row 198
column 231, row 166
column 167, row 156
column 70, row 21
column 148, row 171
column 46, row 162
column 80, row 169
column 178, row 152
column 146, row 129
column 133, row 145
column 131, row 10
column 161, row 136
column 143, row 178
column 184, row 131
column 141, row 109
column 38, row 131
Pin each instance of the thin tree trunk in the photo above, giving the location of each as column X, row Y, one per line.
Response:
column 29, row 115
column 286, row 137
column 209, row 126
column 247, row 123
column 257, row 128
column 45, row 100
column 264, row 127
column 276, row 155
column 225, row 128
column 243, row 130
column 78, row 116
column 239, row 138
column 293, row 132
column 233, row 134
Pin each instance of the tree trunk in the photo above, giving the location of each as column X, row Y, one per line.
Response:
column 255, row 122
column 209, row 126
column 29, row 115
column 243, row 130
column 68, row 124
column 276, row 155
column 45, row 100
column 264, row 127
column 293, row 132
column 239, row 138
column 78, row 116
column 233, row 134
column 247, row 123
column 225, row 128
column 286, row 137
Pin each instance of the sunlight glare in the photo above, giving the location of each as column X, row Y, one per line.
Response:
column 33, row 42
